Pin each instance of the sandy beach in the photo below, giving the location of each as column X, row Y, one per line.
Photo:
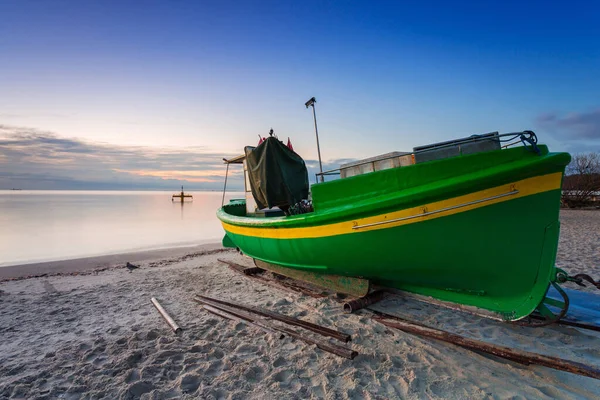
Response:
column 87, row 329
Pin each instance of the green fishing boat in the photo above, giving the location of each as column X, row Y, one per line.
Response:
column 471, row 223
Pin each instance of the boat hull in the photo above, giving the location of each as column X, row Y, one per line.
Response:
column 493, row 248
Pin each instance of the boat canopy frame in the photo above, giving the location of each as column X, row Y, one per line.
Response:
column 235, row 160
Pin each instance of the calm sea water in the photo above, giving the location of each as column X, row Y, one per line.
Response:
column 55, row 225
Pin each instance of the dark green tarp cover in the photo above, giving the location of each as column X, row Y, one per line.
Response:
column 278, row 176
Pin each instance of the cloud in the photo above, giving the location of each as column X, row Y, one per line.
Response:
column 31, row 159
column 574, row 126
column 35, row 159
column 189, row 175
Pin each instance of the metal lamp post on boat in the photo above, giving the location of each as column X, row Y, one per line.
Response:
column 309, row 103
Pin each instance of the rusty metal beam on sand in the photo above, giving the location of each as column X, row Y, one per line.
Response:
column 236, row 318
column 279, row 285
column 322, row 330
column 519, row 356
column 353, row 286
column 329, row 347
column 166, row 316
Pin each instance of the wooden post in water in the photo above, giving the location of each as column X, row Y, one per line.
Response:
column 182, row 196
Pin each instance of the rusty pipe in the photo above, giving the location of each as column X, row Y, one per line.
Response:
column 252, row 271
column 363, row 302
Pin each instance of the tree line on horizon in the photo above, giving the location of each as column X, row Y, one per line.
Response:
column 581, row 184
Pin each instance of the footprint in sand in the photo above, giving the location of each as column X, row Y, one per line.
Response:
column 282, row 376
column 549, row 391
column 113, row 330
column 214, row 368
column 84, row 346
column 133, row 376
column 279, row 362
column 165, row 340
column 190, row 383
column 216, row 354
column 152, row 372
column 399, row 385
column 254, row 374
column 152, row 334
column 201, row 346
column 100, row 361
column 247, row 350
column 397, row 362
column 139, row 388
column 133, row 359
column 218, row 394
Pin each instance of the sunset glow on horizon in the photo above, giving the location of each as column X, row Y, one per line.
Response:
column 140, row 95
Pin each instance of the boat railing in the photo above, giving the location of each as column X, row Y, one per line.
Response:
column 528, row 138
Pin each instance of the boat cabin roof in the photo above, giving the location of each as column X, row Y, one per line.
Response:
column 235, row 160
column 239, row 159
column 381, row 157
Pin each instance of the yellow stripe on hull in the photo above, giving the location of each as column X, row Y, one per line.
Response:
column 438, row 209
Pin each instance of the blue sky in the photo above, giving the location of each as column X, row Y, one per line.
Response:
column 191, row 81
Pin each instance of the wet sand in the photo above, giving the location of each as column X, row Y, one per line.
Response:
column 90, row 264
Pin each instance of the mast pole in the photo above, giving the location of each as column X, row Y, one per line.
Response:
column 309, row 103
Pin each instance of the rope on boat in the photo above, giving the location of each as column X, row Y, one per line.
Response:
column 531, row 138
column 579, row 278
